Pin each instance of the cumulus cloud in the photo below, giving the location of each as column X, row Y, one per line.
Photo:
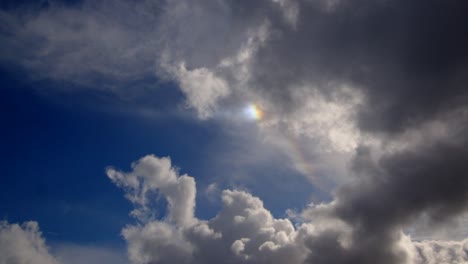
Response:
column 243, row 231
column 152, row 175
column 364, row 227
column 23, row 244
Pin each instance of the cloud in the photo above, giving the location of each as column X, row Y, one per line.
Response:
column 152, row 175
column 399, row 67
column 87, row 44
column 385, row 49
column 243, row 231
column 388, row 194
column 23, row 244
column 400, row 117
column 440, row 252
column 379, row 83
column 202, row 88
column 78, row 254
column 20, row 244
column 364, row 227
column 404, row 65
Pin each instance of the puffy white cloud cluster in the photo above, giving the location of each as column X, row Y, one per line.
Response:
column 243, row 231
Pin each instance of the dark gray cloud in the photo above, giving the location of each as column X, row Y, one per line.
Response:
column 432, row 180
column 408, row 57
column 410, row 62
column 388, row 193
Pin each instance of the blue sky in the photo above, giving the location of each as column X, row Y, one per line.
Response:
column 269, row 131
column 56, row 146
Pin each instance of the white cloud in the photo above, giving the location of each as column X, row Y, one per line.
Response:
column 79, row 254
column 243, row 231
column 151, row 175
column 89, row 44
column 25, row 244
column 259, row 238
column 202, row 88
column 21, row 244
column 242, row 218
column 205, row 86
column 157, row 242
column 239, row 246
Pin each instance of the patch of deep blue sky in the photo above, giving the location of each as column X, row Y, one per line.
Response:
column 56, row 141
column 35, row 4
column 56, row 145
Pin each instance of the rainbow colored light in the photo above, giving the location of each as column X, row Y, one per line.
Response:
column 254, row 112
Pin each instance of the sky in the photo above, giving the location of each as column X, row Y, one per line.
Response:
column 234, row 131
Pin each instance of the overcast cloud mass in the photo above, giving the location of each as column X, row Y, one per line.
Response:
column 374, row 93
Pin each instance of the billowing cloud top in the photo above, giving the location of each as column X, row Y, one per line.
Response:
column 357, row 227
